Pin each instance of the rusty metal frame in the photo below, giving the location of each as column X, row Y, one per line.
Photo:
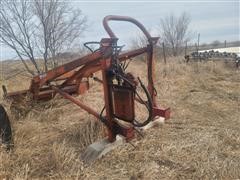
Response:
column 72, row 74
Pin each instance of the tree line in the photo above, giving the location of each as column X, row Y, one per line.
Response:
column 40, row 29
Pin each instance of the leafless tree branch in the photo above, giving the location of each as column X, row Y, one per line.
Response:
column 15, row 31
column 39, row 28
column 175, row 31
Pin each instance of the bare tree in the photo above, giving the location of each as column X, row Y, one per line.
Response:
column 17, row 30
column 40, row 29
column 216, row 43
column 138, row 41
column 175, row 32
column 61, row 26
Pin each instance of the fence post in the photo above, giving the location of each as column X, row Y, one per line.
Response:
column 198, row 46
column 164, row 55
column 185, row 53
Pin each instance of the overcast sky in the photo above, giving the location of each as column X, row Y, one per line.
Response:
column 214, row 20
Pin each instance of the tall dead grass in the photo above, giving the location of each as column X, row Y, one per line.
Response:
column 201, row 141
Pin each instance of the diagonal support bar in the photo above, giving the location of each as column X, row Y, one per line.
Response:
column 76, row 101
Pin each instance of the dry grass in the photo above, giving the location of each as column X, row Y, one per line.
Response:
column 200, row 141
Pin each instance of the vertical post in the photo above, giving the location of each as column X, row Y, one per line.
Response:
column 4, row 90
column 225, row 43
column 198, row 45
column 185, row 53
column 151, row 72
column 111, row 135
column 164, row 54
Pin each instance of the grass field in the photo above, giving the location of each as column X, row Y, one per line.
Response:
column 200, row 141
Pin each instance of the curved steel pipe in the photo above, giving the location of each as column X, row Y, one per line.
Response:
column 151, row 40
column 124, row 18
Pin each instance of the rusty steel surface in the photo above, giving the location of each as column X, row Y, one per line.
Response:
column 119, row 87
column 123, row 103
column 76, row 101
column 58, row 71
column 151, row 40
column 123, row 18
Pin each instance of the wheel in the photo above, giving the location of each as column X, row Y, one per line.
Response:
column 5, row 129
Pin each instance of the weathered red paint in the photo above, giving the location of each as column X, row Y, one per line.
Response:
column 74, row 76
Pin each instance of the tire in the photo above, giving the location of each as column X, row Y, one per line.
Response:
column 5, row 129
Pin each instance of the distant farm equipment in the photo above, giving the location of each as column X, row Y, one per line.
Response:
column 120, row 87
column 218, row 54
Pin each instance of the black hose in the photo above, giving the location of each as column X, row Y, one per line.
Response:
column 150, row 105
column 91, row 42
column 104, row 120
